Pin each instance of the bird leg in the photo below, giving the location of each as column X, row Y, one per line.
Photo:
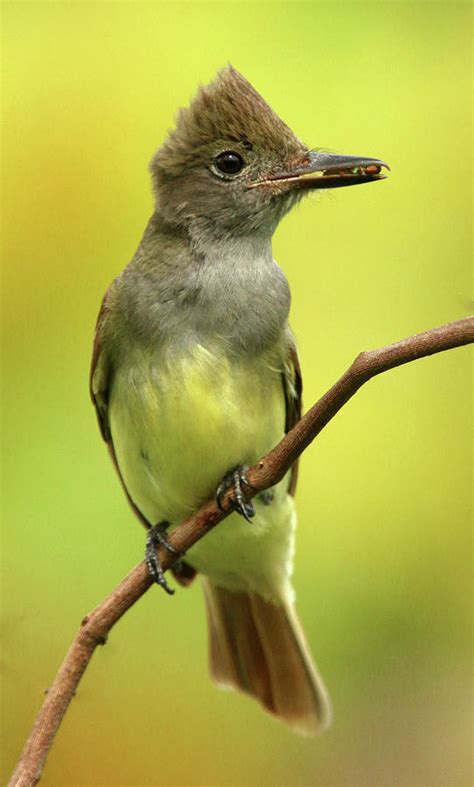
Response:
column 266, row 497
column 156, row 536
column 183, row 573
column 234, row 480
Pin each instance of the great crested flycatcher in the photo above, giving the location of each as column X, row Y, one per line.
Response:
column 195, row 375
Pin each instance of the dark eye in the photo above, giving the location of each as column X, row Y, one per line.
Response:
column 229, row 163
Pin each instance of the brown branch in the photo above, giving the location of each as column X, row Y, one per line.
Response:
column 271, row 469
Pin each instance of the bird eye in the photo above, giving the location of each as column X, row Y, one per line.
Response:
column 229, row 163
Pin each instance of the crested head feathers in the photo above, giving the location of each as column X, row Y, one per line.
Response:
column 228, row 110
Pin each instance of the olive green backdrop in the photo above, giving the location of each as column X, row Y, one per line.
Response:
column 383, row 556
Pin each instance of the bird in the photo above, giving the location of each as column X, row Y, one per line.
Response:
column 195, row 376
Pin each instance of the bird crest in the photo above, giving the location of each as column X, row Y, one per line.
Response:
column 227, row 110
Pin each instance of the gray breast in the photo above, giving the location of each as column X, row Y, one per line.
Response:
column 234, row 292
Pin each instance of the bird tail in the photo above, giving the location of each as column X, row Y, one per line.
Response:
column 259, row 647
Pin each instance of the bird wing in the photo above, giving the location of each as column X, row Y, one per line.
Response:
column 292, row 386
column 99, row 386
column 100, row 374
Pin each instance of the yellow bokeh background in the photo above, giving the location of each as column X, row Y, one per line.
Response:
column 383, row 561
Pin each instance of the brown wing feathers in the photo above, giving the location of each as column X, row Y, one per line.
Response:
column 292, row 386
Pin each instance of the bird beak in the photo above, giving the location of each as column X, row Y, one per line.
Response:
column 327, row 171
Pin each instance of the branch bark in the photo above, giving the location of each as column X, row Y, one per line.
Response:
column 268, row 471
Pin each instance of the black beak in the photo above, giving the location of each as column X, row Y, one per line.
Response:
column 328, row 171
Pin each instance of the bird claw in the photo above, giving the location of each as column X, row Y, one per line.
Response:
column 234, row 480
column 156, row 536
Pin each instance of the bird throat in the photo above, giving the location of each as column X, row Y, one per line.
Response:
column 242, row 294
column 185, row 291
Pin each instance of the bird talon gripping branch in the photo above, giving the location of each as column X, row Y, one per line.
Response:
column 234, row 480
column 156, row 536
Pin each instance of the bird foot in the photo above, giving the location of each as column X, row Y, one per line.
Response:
column 234, row 480
column 156, row 536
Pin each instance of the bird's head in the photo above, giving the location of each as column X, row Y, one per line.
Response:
column 232, row 166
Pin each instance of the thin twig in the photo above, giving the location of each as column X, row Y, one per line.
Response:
column 95, row 627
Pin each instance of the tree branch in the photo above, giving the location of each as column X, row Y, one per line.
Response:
column 266, row 473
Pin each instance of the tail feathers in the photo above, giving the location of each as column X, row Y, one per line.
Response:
column 259, row 647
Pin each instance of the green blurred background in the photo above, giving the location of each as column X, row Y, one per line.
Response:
column 383, row 561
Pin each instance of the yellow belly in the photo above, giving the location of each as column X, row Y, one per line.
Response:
column 179, row 427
